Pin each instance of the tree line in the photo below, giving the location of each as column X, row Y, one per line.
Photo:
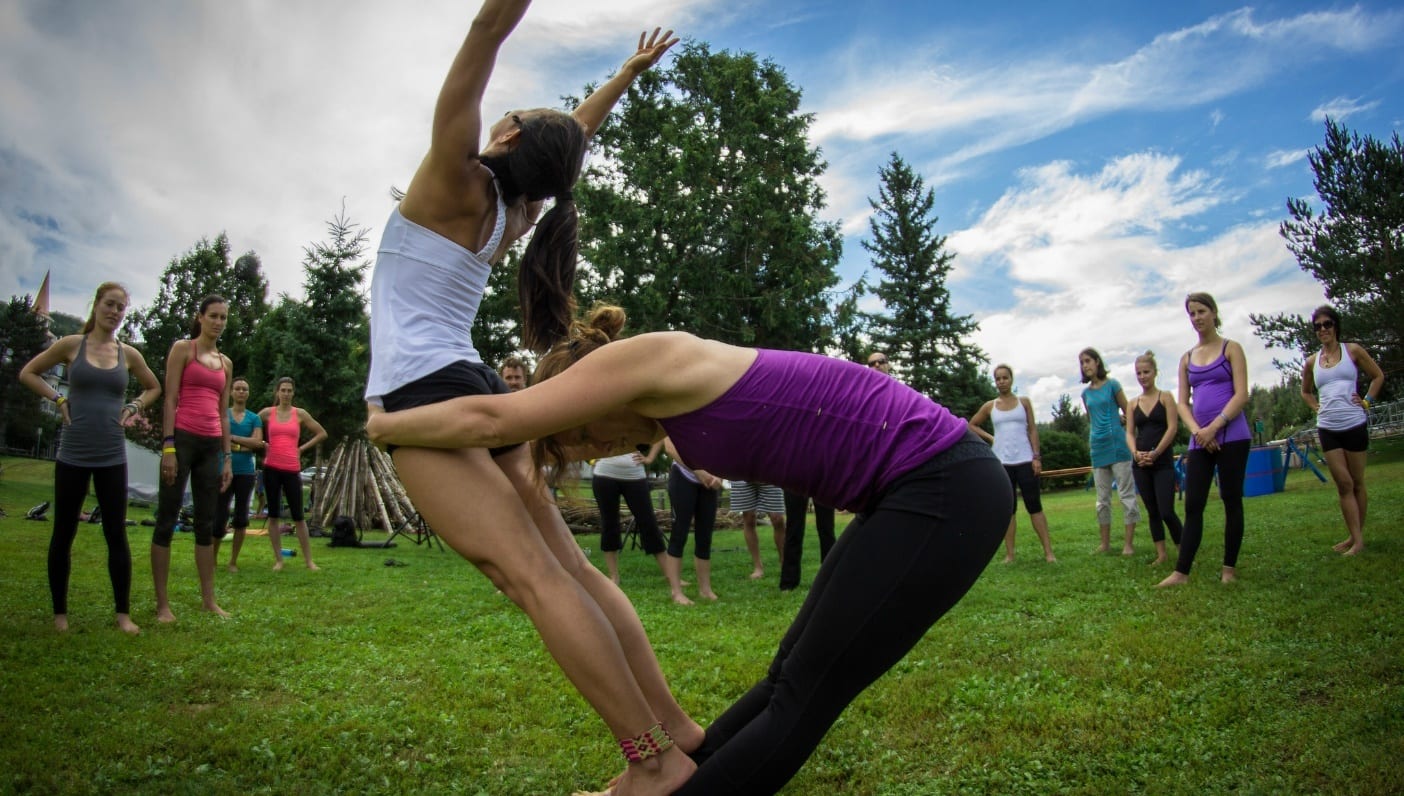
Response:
column 700, row 212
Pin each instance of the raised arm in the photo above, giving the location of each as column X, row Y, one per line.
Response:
column 977, row 422
column 593, row 109
column 1366, row 365
column 458, row 115
column 318, row 433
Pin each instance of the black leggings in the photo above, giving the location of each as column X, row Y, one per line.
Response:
column 198, row 459
column 691, row 501
column 1232, row 462
column 635, row 494
column 70, row 488
column 275, row 483
column 240, row 490
column 796, row 510
column 891, row 575
column 1157, row 488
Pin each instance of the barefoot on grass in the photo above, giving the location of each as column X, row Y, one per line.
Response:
column 312, row 566
column 1101, row 550
column 164, row 615
column 1341, row 547
column 61, row 622
column 1356, row 550
column 1173, row 579
column 231, row 568
column 1008, row 560
column 756, row 574
column 1128, row 551
column 709, row 595
column 1050, row 558
column 1228, row 575
column 681, row 599
column 217, row 611
column 126, row 625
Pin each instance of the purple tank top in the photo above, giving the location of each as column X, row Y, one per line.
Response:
column 1211, row 388
column 827, row 428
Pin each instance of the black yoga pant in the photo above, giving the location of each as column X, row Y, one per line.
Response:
column 1232, row 462
column 887, row 580
column 635, row 494
column 240, row 490
column 796, row 509
column 200, row 460
column 1157, row 488
column 691, row 502
column 70, row 488
column 277, row 482
column 1023, row 480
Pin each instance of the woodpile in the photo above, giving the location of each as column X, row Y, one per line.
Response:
column 360, row 483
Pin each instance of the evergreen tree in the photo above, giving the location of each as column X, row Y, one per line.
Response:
column 22, row 336
column 1354, row 247
column 925, row 340
column 1068, row 416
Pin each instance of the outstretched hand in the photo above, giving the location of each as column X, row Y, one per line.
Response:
column 651, row 49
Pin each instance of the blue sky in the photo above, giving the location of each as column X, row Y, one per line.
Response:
column 1092, row 161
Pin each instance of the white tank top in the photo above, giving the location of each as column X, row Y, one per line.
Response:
column 1334, row 387
column 1011, row 433
column 425, row 293
column 620, row 468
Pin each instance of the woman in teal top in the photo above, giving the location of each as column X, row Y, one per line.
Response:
column 1111, row 458
column 245, row 438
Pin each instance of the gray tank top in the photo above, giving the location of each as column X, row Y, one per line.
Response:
column 95, row 398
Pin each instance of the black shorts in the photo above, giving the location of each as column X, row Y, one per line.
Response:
column 1023, row 480
column 451, row 381
column 1354, row 440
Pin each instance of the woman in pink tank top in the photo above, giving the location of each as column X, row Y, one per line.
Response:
column 282, row 467
column 195, row 448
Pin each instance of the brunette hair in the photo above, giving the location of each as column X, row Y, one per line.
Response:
column 280, row 382
column 1101, row 365
column 1208, row 301
column 204, row 305
column 512, row 362
column 545, row 162
column 103, row 290
column 1005, row 368
column 600, row 326
column 1331, row 313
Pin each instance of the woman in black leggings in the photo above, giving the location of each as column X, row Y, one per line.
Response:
column 694, row 495
column 624, row 476
column 93, row 446
column 1151, row 437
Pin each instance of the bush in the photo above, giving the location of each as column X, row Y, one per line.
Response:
column 1061, row 450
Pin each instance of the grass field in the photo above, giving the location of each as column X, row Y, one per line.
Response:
column 1077, row 677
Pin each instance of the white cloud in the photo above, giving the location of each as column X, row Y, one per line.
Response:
column 1341, row 108
column 1089, row 261
column 1285, row 157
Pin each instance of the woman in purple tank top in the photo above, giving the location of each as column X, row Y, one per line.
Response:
column 931, row 502
column 1213, row 393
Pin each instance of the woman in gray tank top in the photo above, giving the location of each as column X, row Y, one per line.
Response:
column 93, row 445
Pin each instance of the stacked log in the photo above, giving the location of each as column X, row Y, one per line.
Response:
column 360, row 483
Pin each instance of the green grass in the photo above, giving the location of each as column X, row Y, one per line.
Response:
column 1078, row 677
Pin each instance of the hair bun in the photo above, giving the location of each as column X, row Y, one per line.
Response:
column 606, row 320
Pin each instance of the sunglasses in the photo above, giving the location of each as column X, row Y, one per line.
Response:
column 1320, row 325
column 872, row 363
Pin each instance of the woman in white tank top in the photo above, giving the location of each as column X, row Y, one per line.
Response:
column 1015, row 442
column 1330, row 382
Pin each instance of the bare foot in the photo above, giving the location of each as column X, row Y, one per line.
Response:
column 312, row 566
column 681, row 599
column 663, row 774
column 1101, row 550
column 1173, row 579
column 217, row 611
column 164, row 615
column 1341, row 547
column 1228, row 575
column 278, row 567
column 232, row 568
column 1050, row 558
column 1354, row 550
column 61, row 623
column 1008, row 560
column 709, row 595
column 756, row 574
column 1128, row 551
column 124, row 621
column 1158, row 560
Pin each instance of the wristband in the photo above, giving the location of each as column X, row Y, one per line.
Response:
column 168, row 451
column 170, row 440
column 135, row 406
column 1037, row 456
column 60, row 400
column 1366, row 402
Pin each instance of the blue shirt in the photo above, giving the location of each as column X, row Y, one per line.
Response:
column 1106, row 436
column 243, row 461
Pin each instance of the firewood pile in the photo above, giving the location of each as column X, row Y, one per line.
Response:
column 360, row 483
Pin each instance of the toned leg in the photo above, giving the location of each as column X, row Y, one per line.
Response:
column 748, row 532
column 1344, row 478
column 1009, row 538
column 586, row 623
column 1040, row 526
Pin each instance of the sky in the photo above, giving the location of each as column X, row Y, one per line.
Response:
column 1092, row 161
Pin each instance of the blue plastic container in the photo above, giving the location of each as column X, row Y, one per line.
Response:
column 1265, row 472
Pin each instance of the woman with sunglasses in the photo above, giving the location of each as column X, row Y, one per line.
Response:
column 1330, row 386
column 932, row 501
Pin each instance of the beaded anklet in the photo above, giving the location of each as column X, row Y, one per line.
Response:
column 650, row 743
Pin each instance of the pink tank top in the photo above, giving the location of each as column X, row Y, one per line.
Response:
column 197, row 411
column 282, row 442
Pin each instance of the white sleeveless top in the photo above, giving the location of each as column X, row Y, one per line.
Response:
column 620, row 468
column 1334, row 387
column 425, row 293
column 1011, row 433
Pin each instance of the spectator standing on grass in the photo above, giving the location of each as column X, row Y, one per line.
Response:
column 282, row 467
column 1331, row 387
column 94, row 447
column 624, row 476
column 1111, row 458
column 1213, row 393
column 750, row 498
column 194, row 449
column 693, row 495
column 245, row 439
column 1015, row 441
column 1151, row 435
